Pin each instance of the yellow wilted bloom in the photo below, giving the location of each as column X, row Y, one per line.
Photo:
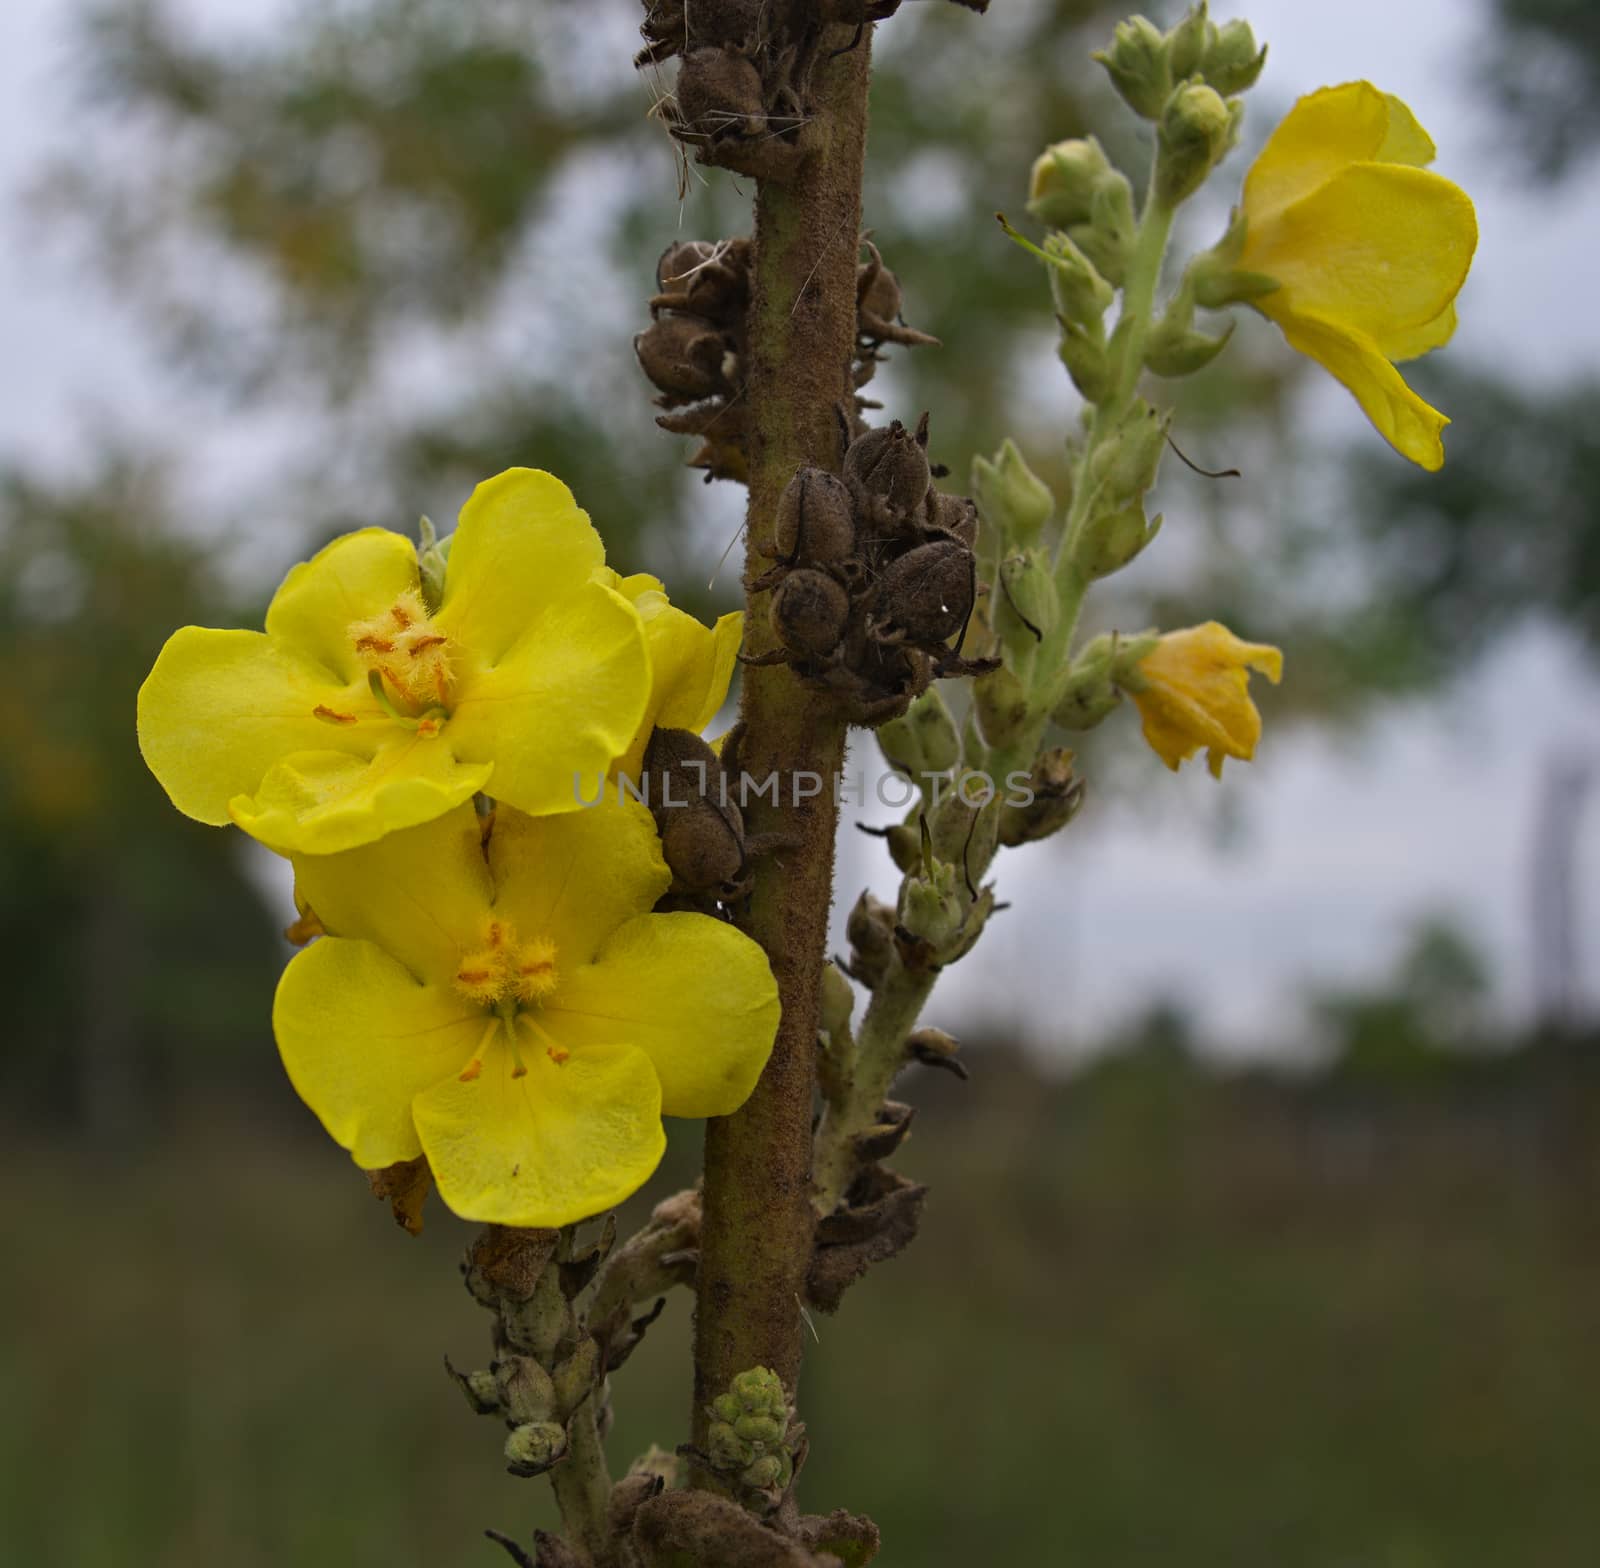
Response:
column 691, row 665
column 1193, row 689
column 1367, row 248
column 513, row 1010
column 360, row 710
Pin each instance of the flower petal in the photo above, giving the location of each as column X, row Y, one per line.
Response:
column 361, row 1039
column 322, row 802
column 1405, row 141
column 1414, row 342
column 522, row 545
column 221, row 707
column 358, row 576
column 1403, row 419
column 1323, row 133
column 422, row 895
column 1379, row 247
column 562, row 705
column 696, row 995
column 573, row 879
column 554, row 1146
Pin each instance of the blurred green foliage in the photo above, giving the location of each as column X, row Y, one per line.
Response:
column 1240, row 1327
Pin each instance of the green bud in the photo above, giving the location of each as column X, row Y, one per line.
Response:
column 1025, row 605
column 1186, row 43
column 837, row 1003
column 1232, row 63
column 724, row 1447
column 1108, row 237
column 1113, row 539
column 432, row 557
column 1080, row 293
column 1137, row 65
column 768, row 1472
column 534, row 1447
column 525, row 1389
column 1084, row 355
column 1196, row 129
column 480, row 1389
column 1000, row 702
column 760, row 1429
column 1125, row 464
column 900, row 745
column 905, row 846
column 930, row 906
column 1170, row 352
column 1011, row 496
column 935, row 731
column 1090, row 693
column 725, row 1407
column 760, row 1391
column 1064, row 179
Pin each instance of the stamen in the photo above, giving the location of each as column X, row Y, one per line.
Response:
column 328, row 716
column 475, row 1066
column 557, row 1052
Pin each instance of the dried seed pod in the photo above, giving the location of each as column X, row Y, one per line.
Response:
column 815, row 523
column 684, row 357
column 953, row 515
column 706, row 279
column 887, row 471
column 701, row 847
column 809, row 613
column 925, row 596
column 702, row 831
column 719, row 96
column 671, row 26
column 870, row 932
column 878, row 305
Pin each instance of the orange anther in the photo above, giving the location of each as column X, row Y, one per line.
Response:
column 474, row 1067
column 557, row 1053
column 328, row 716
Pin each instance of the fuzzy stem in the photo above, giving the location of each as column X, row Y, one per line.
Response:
column 582, row 1484
column 758, row 1230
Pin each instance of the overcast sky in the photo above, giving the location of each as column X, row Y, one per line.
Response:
column 1347, row 843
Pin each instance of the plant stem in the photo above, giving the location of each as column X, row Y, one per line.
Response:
column 758, row 1230
column 582, row 1484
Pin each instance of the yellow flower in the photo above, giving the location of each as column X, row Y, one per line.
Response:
column 358, row 711
column 691, row 665
column 513, row 1011
column 1368, row 250
column 1193, row 689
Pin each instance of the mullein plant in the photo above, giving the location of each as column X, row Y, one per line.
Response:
column 538, row 910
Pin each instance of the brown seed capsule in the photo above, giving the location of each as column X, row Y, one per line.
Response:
column 719, row 96
column 706, row 279
column 683, row 356
column 701, row 847
column 955, row 515
column 925, row 595
column 809, row 613
column 701, row 828
column 887, row 470
column 815, row 523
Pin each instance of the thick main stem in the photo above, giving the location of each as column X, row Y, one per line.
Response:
column 757, row 1237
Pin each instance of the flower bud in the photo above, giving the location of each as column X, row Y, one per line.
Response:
column 1011, row 496
column 837, row 1003
column 1186, row 43
column 1232, row 63
column 1113, row 539
column 936, row 732
column 433, row 554
column 1126, row 463
column 1107, row 239
column 1080, row 293
column 1000, row 702
column 1196, row 130
column 1091, row 692
column 525, row 1389
column 534, row 1447
column 1026, row 606
column 930, row 906
column 1137, row 65
column 1177, row 351
column 1064, row 179
column 1084, row 355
